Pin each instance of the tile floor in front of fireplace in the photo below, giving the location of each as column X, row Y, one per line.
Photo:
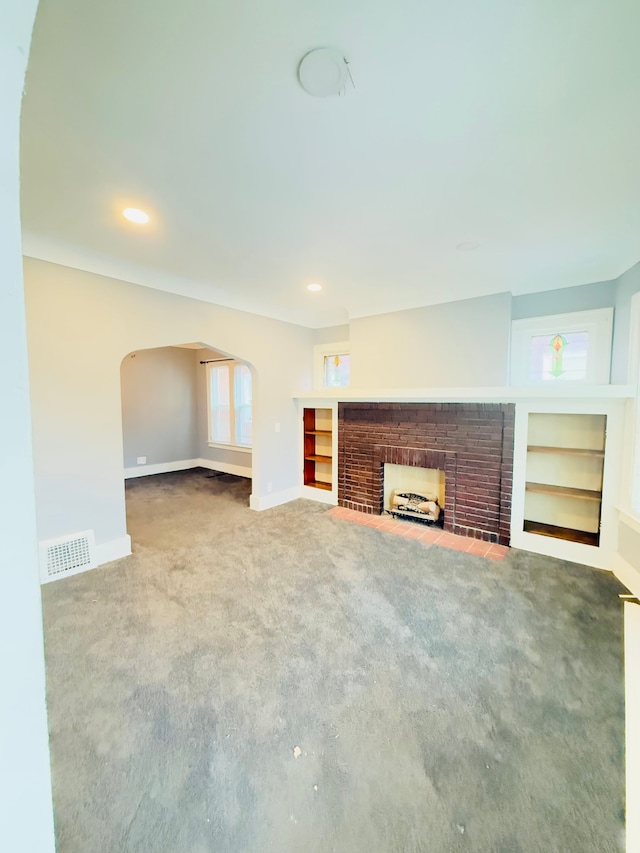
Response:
column 425, row 534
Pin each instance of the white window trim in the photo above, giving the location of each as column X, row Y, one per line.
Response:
column 320, row 351
column 598, row 322
column 231, row 363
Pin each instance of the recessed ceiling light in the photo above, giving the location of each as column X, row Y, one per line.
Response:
column 314, row 287
column 467, row 246
column 133, row 214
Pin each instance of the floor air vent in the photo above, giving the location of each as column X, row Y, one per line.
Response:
column 67, row 555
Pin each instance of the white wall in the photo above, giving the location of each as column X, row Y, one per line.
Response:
column 629, row 545
column 159, row 405
column 329, row 334
column 26, row 819
column 76, row 400
column 233, row 461
column 462, row 343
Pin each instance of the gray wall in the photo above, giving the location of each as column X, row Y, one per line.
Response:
column 77, row 403
column 159, row 405
column 586, row 297
column 626, row 286
column 235, row 458
column 462, row 343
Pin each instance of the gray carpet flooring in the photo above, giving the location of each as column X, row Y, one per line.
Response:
column 287, row 681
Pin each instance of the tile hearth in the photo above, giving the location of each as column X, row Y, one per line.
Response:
column 427, row 535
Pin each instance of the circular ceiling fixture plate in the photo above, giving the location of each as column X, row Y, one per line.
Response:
column 323, row 72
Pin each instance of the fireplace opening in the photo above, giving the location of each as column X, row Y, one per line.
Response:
column 414, row 493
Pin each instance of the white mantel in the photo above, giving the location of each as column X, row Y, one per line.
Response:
column 496, row 394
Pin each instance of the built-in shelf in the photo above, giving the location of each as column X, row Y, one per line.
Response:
column 317, row 456
column 564, row 491
column 319, row 484
column 565, row 451
column 557, row 532
column 566, row 448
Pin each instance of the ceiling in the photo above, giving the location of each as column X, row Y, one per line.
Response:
column 514, row 125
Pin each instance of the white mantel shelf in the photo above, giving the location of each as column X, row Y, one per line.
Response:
column 496, row 394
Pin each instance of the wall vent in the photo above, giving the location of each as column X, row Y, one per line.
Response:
column 67, row 555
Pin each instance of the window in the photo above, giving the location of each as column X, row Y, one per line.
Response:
column 562, row 348
column 336, row 370
column 230, row 397
column 332, row 365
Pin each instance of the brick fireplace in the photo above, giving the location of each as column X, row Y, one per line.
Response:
column 471, row 442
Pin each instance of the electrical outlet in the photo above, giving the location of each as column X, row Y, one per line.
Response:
column 142, row 460
column 277, row 427
column 269, row 487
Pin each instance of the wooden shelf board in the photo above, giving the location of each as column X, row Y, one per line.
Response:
column 564, row 491
column 316, row 458
column 326, row 432
column 319, row 484
column 584, row 537
column 565, row 451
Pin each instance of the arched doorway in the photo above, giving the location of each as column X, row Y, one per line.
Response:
column 187, row 414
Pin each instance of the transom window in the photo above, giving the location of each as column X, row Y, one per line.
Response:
column 562, row 348
column 336, row 370
column 230, row 399
column 559, row 358
column 332, row 365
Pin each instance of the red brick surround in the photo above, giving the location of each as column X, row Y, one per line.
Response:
column 471, row 442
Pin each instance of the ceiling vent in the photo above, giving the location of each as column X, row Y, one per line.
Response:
column 67, row 555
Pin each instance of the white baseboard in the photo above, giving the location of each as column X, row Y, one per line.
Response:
column 185, row 465
column 224, row 467
column 113, row 550
column 160, row 468
column 573, row 552
column 260, row 502
column 626, row 574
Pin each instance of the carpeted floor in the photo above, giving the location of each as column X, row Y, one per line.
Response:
column 288, row 681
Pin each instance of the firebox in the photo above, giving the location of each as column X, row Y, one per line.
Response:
column 414, row 493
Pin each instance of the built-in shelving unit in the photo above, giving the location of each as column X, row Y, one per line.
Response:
column 318, row 456
column 564, row 475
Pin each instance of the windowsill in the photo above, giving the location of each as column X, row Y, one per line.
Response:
column 236, row 448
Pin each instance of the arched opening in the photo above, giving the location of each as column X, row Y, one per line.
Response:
column 187, row 418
